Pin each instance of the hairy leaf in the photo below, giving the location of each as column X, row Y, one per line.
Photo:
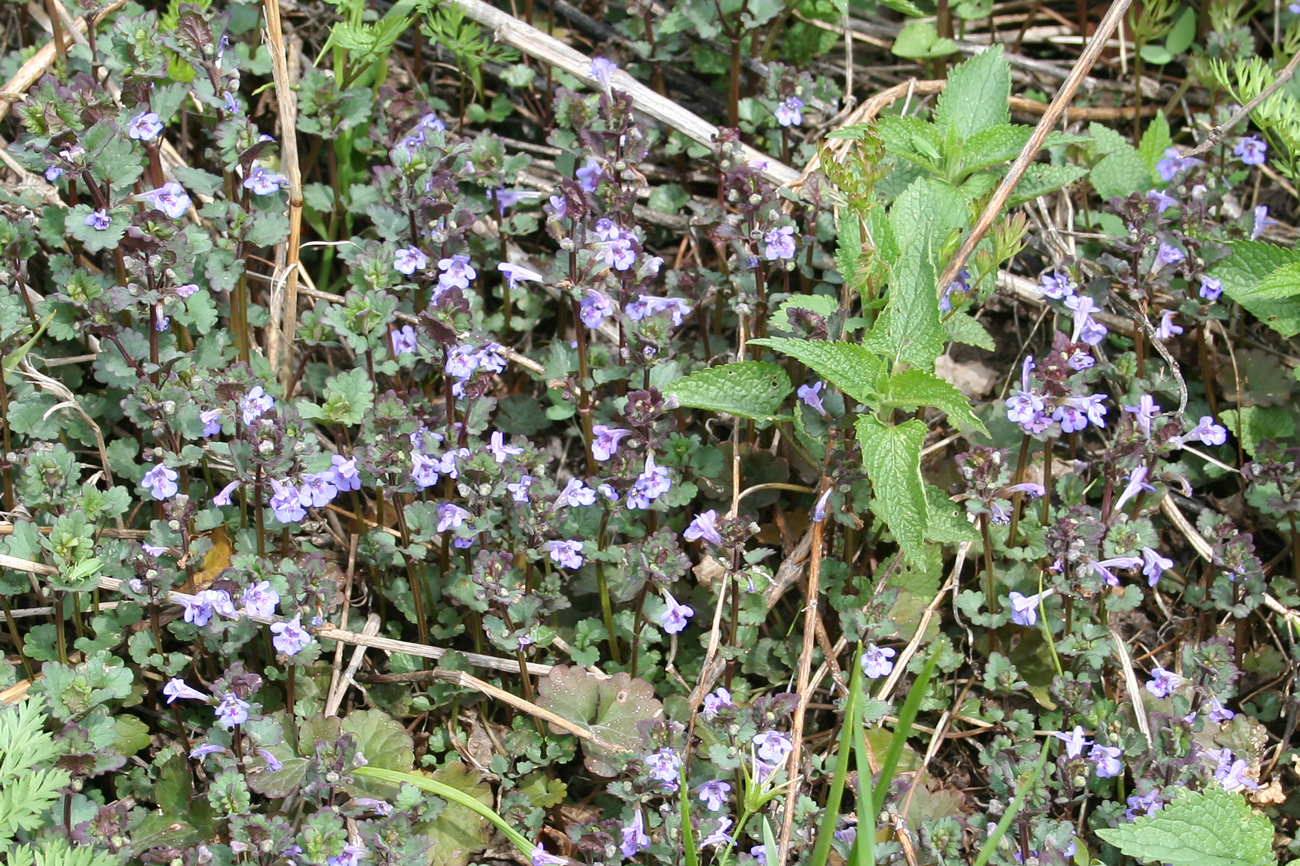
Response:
column 1199, row 828
column 848, row 366
column 892, row 457
column 915, row 388
column 749, row 389
column 977, row 95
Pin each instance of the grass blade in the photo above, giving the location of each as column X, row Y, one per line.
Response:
column 1024, row 784
column 906, row 716
column 835, row 795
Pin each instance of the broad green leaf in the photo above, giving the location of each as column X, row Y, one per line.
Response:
column 613, row 709
column 459, row 832
column 892, row 457
column 912, row 389
column 1154, row 141
column 821, row 305
column 1156, row 55
column 915, row 333
column 925, row 215
column 976, row 96
column 348, row 397
column 905, row 7
column 1183, row 33
column 994, row 145
column 1198, row 828
column 1281, row 283
column 1248, row 265
column 945, row 520
column 920, row 39
column 1120, row 169
column 913, row 139
column 848, row 366
column 1041, row 178
column 749, row 389
column 1254, row 424
column 967, row 330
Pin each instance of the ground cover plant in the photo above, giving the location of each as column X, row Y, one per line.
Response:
column 747, row 432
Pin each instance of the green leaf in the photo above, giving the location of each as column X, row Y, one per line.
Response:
column 994, row 145
column 1120, row 170
column 1198, row 828
column 1248, row 265
column 1254, row 424
column 749, row 389
column 821, row 305
column 348, row 397
column 95, row 240
column 905, row 7
column 912, row 139
column 977, row 95
column 1154, row 141
column 892, row 457
column 1041, row 178
column 912, row 389
column 613, row 709
column 967, row 330
column 267, row 229
column 1283, row 282
column 913, row 330
column 1183, row 33
column 920, row 39
column 850, row 367
column 1156, row 55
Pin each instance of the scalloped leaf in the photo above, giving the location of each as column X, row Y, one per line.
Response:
column 612, row 709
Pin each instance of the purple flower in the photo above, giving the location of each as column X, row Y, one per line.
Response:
column 819, row 507
column 317, row 489
column 515, row 273
column 1074, row 413
column 1104, row 567
column 145, row 126
column 541, row 858
column 1262, row 221
column 1162, row 200
column 1147, row 804
column 153, row 550
column 649, row 305
column 1231, row 774
column 705, row 526
column 1168, row 254
column 286, row 502
column 1145, row 410
column 759, row 853
column 170, row 198
column 255, row 404
column 217, row 599
column 451, row 516
column 263, row 182
column 652, row 483
column 99, row 220
column 1055, row 286
column 714, row 793
column 665, row 767
column 232, row 711
column 204, row 749
column 595, row 308
column 588, row 175
column 1106, row 760
column 197, row 611
column 1137, row 482
column 773, row 747
column 719, row 835
column 160, row 481
column 519, row 489
column 508, row 198
column 674, row 617
column 575, row 494
column 600, row 71
column 499, row 449
column 566, row 554
column 1167, row 328
column 456, row 272
column 634, row 838
column 1086, row 328
column 1218, row 712
column 211, row 419
column 811, row 395
column 408, row 260
column 1174, row 163
column 177, row 688
column 1207, row 432
column 403, row 341
column 1210, row 288
column 779, row 243
column 1154, row 565
column 1163, row 682
column 790, row 112
column 1024, row 608
column 424, row 470
column 1250, row 150
column 716, row 701
column 1075, row 741
column 876, row 661
column 290, row 637
column 260, row 600
column 53, row 173
column 1029, row 488
column 223, row 496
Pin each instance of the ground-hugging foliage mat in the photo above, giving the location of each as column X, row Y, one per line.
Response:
column 778, row 431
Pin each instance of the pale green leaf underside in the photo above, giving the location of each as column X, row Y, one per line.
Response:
column 1199, row 828
column 848, row 366
column 750, row 389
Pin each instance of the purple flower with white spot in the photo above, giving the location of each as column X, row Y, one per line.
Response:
column 588, row 176
column 811, row 395
column 1167, row 329
column 704, row 526
column 519, row 489
column 601, row 70
column 499, row 449
column 540, row 857
column 790, row 112
column 1106, row 760
column 575, row 494
column 1168, row 254
column 1074, row 413
column 876, row 661
column 773, row 747
column 178, row 688
column 649, row 305
column 1174, row 163
column 652, row 483
column 759, row 853
column 1262, row 222
column 1250, row 150
column 232, row 711
column 1154, row 565
column 634, row 838
column 714, row 793
column 1163, row 201
column 1218, row 712
column 779, row 244
column 197, row 611
column 451, row 516
column 1144, row 412
column 1147, row 804
column 1024, row 608
column 317, row 489
column 255, row 404
column 1055, row 286
column 408, row 260
column 665, row 767
column 145, row 126
column 343, row 472
column 290, row 637
column 595, row 308
column 1105, row 566
column 170, row 198
column 53, row 173
column 1137, row 483
column 1231, row 772
column 457, row 272
column 99, row 220
column 153, row 550
column 211, row 419
column 1075, row 741
column 403, row 341
column 675, row 615
column 716, row 701
column 515, row 273
column 223, row 496
column 1210, row 288
column 566, row 554
column 260, row 599
column 719, row 835
column 286, row 502
column 160, row 481
column 1163, row 682
column 263, row 182
column 1207, row 432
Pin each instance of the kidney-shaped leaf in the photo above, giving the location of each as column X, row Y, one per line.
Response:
column 611, row 709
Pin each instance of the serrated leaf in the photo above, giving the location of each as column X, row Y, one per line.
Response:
column 1254, row 424
column 1154, row 141
column 848, row 366
column 920, row 39
column 891, row 455
column 967, row 330
column 1284, row 282
column 1248, row 265
column 913, row 139
column 381, row 740
column 977, row 95
column 905, row 7
column 994, row 145
column 821, row 305
column 749, row 389
column 1198, row 828
column 945, row 521
column 915, row 333
column 911, row 389
column 612, row 709
column 1041, row 178
column 1120, row 171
